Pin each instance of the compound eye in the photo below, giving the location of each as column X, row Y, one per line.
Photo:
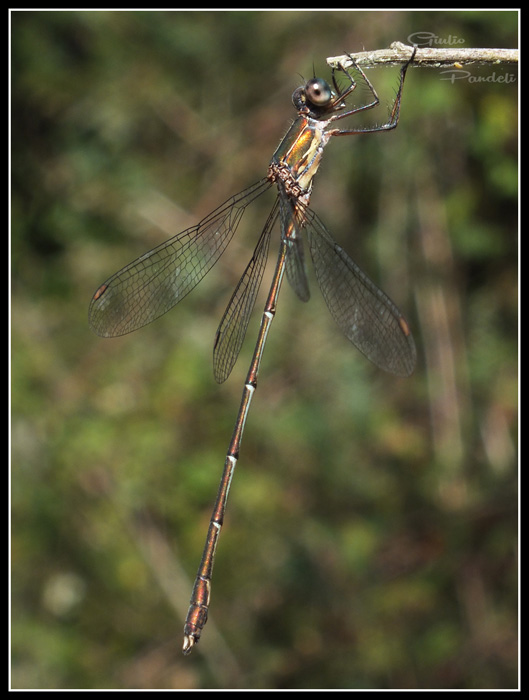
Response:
column 318, row 92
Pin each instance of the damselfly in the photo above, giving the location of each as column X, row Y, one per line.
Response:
column 151, row 285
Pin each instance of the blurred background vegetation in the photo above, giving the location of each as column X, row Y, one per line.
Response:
column 371, row 534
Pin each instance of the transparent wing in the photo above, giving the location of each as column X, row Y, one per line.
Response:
column 153, row 283
column 367, row 317
column 232, row 328
column 291, row 228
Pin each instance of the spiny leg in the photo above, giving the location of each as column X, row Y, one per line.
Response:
column 395, row 111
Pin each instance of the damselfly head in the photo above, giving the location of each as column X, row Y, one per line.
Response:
column 314, row 98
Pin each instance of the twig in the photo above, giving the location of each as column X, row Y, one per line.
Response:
column 399, row 53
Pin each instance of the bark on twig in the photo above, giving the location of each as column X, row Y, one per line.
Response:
column 399, row 53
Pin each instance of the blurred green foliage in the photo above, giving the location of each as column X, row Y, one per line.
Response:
column 371, row 534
